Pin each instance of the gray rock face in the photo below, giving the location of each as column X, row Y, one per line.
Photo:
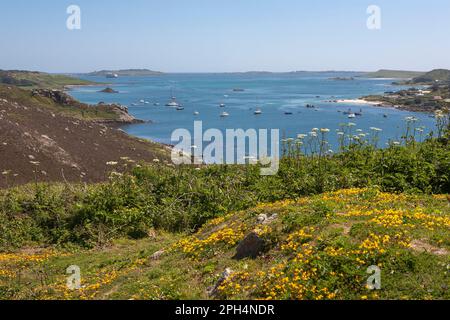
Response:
column 250, row 247
column 157, row 255
column 213, row 291
column 264, row 219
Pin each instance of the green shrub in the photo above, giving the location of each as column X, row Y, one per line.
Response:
column 184, row 198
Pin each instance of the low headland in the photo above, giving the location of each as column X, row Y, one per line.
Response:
column 40, row 80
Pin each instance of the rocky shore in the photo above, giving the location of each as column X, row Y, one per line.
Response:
column 427, row 99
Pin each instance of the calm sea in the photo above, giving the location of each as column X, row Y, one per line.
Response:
column 274, row 94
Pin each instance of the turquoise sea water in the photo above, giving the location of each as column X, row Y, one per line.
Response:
column 274, row 94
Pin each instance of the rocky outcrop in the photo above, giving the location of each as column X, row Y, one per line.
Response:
column 250, row 247
column 265, row 219
column 123, row 117
column 157, row 255
column 109, row 90
column 62, row 98
column 56, row 95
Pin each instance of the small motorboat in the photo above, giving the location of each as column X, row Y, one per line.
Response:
column 180, row 107
column 224, row 114
column 352, row 116
column 196, row 113
column 385, row 115
column 156, row 104
column 222, row 105
column 258, row 111
column 288, row 113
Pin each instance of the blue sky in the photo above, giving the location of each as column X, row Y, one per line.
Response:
column 224, row 35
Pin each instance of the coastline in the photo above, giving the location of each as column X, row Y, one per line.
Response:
column 360, row 101
column 382, row 104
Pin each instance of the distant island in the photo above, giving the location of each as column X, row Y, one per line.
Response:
column 109, row 90
column 126, row 73
column 396, row 74
column 342, row 79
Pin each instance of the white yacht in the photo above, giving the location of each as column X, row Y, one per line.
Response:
column 173, row 103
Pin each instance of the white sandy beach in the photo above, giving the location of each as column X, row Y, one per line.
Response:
column 360, row 101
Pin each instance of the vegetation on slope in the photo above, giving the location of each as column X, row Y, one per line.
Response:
column 438, row 75
column 317, row 247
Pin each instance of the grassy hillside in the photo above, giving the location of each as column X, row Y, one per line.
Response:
column 33, row 80
column 393, row 74
column 315, row 247
column 438, row 75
